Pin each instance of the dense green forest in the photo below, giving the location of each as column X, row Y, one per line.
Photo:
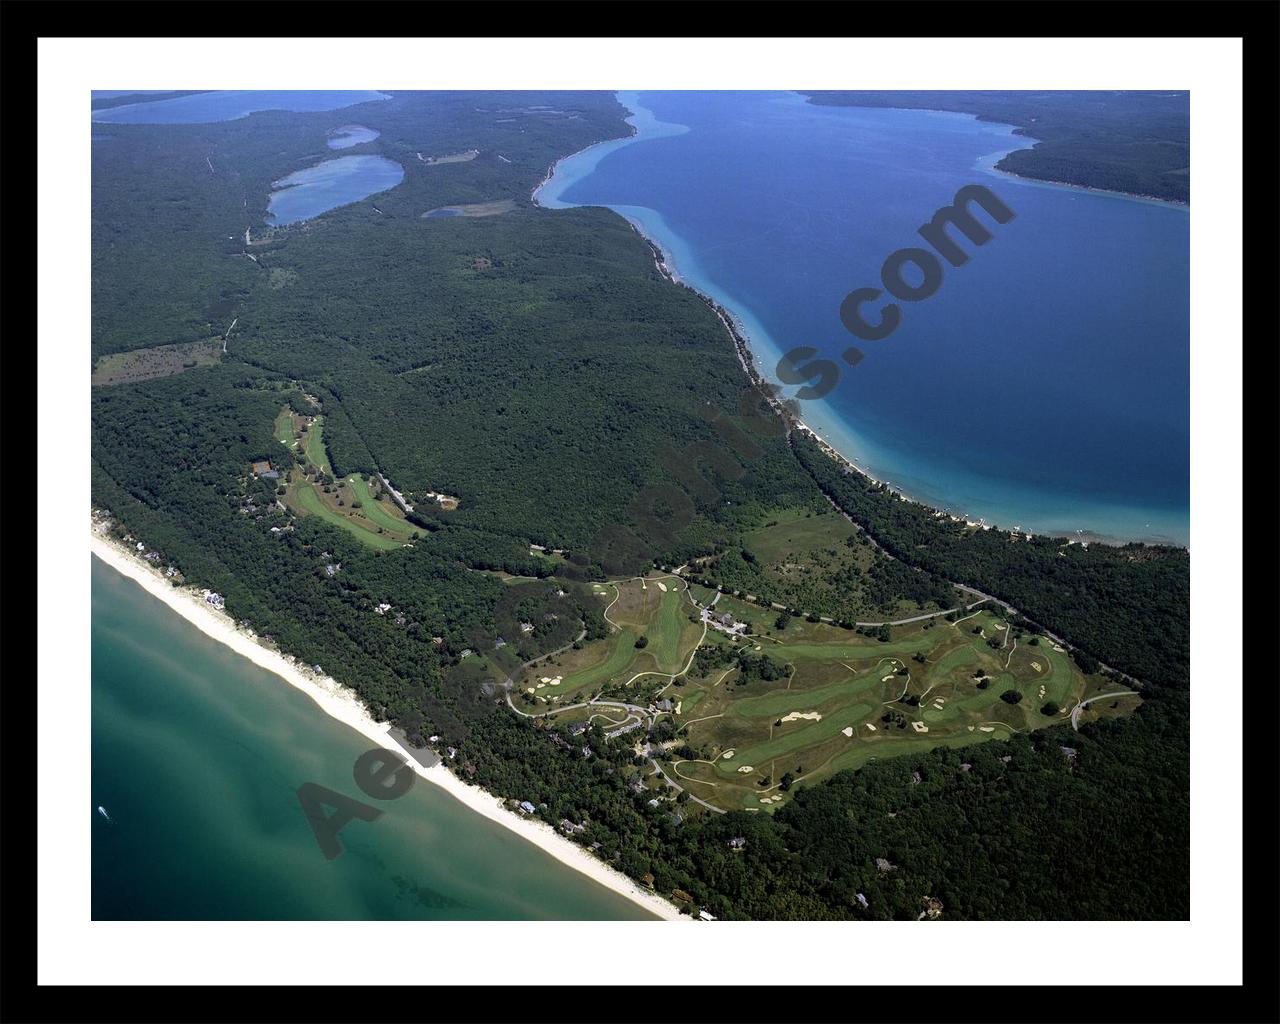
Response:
column 1124, row 141
column 536, row 365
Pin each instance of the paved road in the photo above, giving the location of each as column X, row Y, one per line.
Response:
column 657, row 770
column 1075, row 712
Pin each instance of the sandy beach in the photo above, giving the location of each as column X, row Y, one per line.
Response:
column 341, row 703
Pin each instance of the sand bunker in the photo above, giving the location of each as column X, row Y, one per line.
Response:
column 919, row 727
column 1036, row 665
column 745, row 769
column 662, row 586
column 987, row 728
column 871, row 727
column 678, row 703
column 971, row 728
column 795, row 715
column 847, row 730
column 727, row 754
column 885, row 679
column 1060, row 650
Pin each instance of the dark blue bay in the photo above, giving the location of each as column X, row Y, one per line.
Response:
column 1045, row 385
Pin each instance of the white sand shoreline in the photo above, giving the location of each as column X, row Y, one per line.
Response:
column 341, row 703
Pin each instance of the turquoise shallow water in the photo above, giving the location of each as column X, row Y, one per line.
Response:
column 196, row 756
column 1045, row 385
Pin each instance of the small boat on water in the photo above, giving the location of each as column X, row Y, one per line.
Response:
column 103, row 811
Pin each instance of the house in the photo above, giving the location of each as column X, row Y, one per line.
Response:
column 526, row 627
column 664, row 705
column 704, row 916
column 433, row 739
column 863, row 900
column 466, row 652
column 653, row 803
column 647, row 879
column 141, row 546
column 636, row 785
column 885, row 865
column 333, row 568
column 737, row 843
column 526, row 807
column 217, row 600
column 499, row 644
column 452, row 752
column 586, row 751
column 262, row 467
column 577, row 729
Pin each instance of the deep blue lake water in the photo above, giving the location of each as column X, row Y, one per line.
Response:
column 1045, row 385
column 345, row 179
column 229, row 105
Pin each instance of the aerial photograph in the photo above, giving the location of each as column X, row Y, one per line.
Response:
column 703, row 506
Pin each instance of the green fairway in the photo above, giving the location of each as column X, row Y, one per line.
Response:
column 667, row 629
column 375, row 511
column 284, row 428
column 771, row 705
column 315, row 446
column 310, row 502
column 794, row 737
column 852, row 651
column 620, row 657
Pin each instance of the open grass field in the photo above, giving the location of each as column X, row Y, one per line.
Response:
column 490, row 209
column 811, row 558
column 150, row 363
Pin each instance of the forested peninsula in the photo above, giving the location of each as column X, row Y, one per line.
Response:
column 1134, row 142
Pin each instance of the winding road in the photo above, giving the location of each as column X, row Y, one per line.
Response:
column 1075, row 712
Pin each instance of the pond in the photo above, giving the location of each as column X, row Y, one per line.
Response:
column 351, row 135
column 328, row 185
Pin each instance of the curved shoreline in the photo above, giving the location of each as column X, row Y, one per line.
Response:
column 746, row 346
column 341, row 703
